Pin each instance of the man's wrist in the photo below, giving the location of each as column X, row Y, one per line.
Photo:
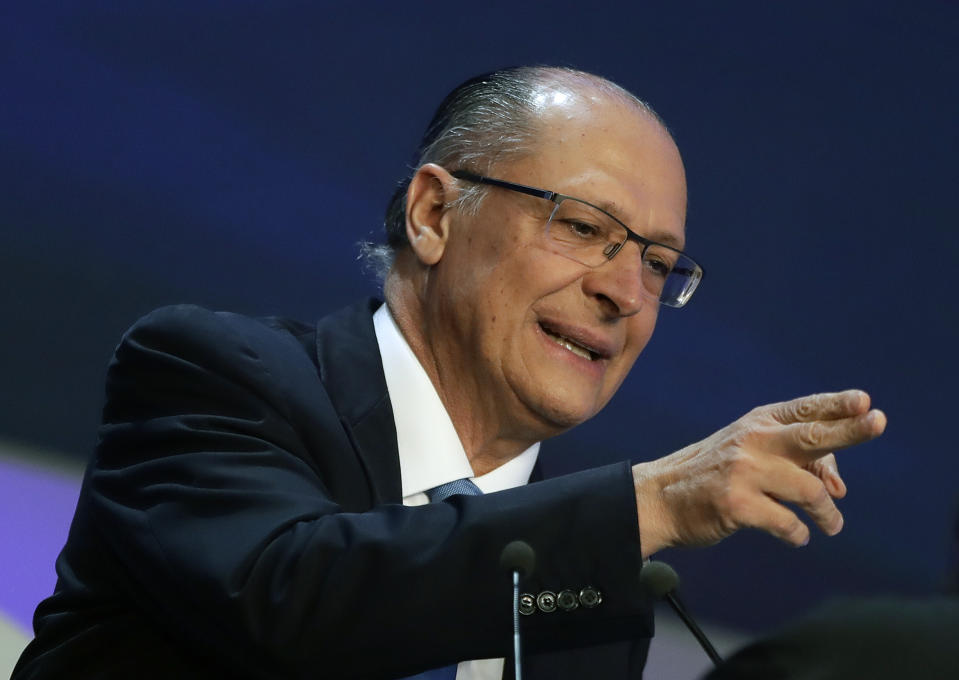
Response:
column 653, row 519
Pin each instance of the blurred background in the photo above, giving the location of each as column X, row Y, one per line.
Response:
column 232, row 154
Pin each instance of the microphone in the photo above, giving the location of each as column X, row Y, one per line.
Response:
column 519, row 559
column 518, row 556
column 660, row 581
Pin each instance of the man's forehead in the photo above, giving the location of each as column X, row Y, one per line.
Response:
column 588, row 116
column 611, row 153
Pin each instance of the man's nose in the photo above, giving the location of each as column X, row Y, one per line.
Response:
column 618, row 283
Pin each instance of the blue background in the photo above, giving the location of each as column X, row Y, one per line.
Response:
column 232, row 154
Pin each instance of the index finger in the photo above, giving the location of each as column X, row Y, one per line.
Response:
column 825, row 406
column 807, row 441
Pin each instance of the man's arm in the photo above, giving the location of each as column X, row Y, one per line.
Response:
column 222, row 520
column 741, row 475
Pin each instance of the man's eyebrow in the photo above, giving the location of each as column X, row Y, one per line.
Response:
column 664, row 237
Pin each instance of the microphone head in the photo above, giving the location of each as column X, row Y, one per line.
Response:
column 518, row 556
column 658, row 579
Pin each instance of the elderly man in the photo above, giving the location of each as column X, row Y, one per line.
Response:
column 271, row 499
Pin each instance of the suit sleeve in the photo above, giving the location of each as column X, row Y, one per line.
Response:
column 219, row 515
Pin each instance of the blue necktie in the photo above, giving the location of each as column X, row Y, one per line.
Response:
column 458, row 487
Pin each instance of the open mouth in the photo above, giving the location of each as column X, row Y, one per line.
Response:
column 569, row 344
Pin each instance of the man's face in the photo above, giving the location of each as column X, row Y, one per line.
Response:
column 510, row 317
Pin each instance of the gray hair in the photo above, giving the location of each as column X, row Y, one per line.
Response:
column 482, row 122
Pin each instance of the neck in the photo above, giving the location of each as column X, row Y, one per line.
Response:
column 486, row 439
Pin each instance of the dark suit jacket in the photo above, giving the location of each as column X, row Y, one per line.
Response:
column 242, row 517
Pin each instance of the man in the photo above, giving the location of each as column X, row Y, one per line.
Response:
column 243, row 518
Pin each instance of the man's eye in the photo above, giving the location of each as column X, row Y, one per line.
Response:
column 582, row 229
column 657, row 266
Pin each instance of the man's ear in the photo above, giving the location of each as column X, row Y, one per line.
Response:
column 427, row 219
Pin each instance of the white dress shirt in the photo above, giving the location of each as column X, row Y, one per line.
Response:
column 430, row 450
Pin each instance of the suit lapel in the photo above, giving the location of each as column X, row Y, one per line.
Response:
column 349, row 363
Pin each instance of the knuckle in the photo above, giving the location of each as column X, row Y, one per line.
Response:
column 805, row 407
column 740, row 465
column 790, row 528
column 812, row 435
column 765, row 414
column 816, row 467
column 743, row 434
column 732, row 507
column 814, row 495
column 728, row 525
column 798, row 533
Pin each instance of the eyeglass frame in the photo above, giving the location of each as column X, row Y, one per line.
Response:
column 558, row 198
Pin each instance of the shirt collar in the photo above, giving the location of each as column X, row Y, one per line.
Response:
column 430, row 450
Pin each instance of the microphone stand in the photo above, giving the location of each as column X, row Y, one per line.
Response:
column 518, row 667
column 697, row 632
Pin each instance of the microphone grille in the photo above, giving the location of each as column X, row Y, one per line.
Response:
column 518, row 556
column 658, row 579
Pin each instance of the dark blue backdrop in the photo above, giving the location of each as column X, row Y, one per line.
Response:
column 233, row 153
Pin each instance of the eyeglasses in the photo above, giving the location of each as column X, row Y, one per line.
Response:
column 591, row 236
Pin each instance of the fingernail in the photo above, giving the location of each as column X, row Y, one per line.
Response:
column 804, row 543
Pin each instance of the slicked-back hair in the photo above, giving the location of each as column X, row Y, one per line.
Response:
column 485, row 120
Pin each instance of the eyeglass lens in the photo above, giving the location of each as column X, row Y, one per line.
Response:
column 590, row 236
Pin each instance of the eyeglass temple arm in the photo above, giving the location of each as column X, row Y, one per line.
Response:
column 522, row 188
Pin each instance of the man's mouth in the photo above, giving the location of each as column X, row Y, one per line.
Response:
column 571, row 345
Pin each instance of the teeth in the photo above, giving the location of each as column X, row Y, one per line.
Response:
column 571, row 346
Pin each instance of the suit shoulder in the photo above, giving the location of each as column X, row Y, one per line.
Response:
column 190, row 325
column 189, row 319
column 221, row 341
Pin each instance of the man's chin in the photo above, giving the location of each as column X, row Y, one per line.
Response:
column 558, row 417
column 557, row 402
